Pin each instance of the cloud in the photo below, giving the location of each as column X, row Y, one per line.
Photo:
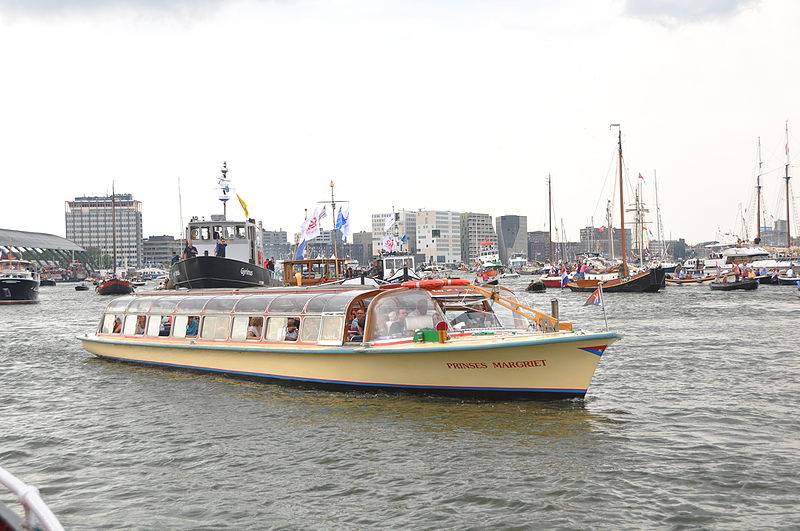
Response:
column 676, row 12
column 48, row 7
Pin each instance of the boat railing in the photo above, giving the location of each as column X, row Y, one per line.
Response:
column 32, row 503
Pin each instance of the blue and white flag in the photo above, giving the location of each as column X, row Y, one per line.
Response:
column 300, row 249
column 343, row 222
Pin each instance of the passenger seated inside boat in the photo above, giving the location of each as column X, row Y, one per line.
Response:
column 398, row 327
column 140, row 324
column 192, row 326
column 254, row 327
column 166, row 325
column 117, row 326
column 360, row 324
column 291, row 330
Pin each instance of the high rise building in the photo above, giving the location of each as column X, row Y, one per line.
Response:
column 276, row 244
column 361, row 248
column 439, row 236
column 405, row 225
column 157, row 250
column 476, row 229
column 512, row 237
column 539, row 246
column 89, row 224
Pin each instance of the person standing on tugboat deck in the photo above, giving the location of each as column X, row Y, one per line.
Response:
column 219, row 250
column 189, row 251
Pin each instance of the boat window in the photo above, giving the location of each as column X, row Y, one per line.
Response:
column 332, row 330
column 130, row 325
column 141, row 323
column 192, row 304
column 229, row 232
column 221, row 304
column 192, row 325
column 339, row 302
column 205, row 233
column 217, row 234
column 179, row 325
column 400, row 313
column 215, row 327
column 118, row 305
column 470, row 316
column 240, row 232
column 310, row 332
column 317, row 304
column 165, row 304
column 276, row 329
column 140, row 305
column 112, row 324
column 254, row 304
column 159, row 325
column 249, row 327
column 195, row 233
column 506, row 317
column 292, row 326
column 292, row 303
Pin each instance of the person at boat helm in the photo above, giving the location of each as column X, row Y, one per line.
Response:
column 219, row 250
column 399, row 326
column 189, row 251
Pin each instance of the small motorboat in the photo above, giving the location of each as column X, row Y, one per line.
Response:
column 81, row 287
column 47, row 282
column 745, row 283
column 537, row 286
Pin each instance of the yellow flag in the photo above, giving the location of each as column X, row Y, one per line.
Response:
column 244, row 205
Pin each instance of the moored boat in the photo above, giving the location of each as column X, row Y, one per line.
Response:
column 19, row 282
column 742, row 284
column 702, row 280
column 442, row 337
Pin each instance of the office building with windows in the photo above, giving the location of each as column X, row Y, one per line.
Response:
column 89, row 223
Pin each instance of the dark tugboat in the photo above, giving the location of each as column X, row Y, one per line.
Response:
column 19, row 283
column 648, row 281
column 238, row 265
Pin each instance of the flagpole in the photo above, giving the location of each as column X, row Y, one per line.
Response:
column 603, row 304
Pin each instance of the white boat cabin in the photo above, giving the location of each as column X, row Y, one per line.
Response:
column 314, row 316
column 243, row 238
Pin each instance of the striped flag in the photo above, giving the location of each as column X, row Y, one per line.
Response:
column 596, row 298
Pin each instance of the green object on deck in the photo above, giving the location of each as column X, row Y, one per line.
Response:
column 421, row 336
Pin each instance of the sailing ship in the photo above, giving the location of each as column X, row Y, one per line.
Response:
column 114, row 285
column 647, row 281
column 240, row 267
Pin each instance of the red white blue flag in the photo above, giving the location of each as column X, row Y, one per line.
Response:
column 596, row 298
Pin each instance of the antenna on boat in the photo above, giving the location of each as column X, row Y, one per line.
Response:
column 333, row 226
column 624, row 269
column 224, row 185
column 550, row 217
column 180, row 215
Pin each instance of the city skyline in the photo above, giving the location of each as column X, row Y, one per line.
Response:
column 461, row 107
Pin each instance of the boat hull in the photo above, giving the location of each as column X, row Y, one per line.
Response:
column 115, row 286
column 698, row 281
column 649, row 281
column 202, row 272
column 552, row 366
column 748, row 284
column 19, row 291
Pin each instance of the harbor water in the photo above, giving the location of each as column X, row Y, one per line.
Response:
column 691, row 422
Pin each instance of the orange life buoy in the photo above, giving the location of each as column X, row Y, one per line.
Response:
column 436, row 283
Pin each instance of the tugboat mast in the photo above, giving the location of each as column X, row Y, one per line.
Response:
column 223, row 183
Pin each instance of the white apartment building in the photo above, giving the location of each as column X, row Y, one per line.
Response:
column 439, row 236
column 405, row 225
column 89, row 224
column 476, row 229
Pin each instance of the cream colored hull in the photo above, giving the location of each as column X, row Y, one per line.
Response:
column 555, row 365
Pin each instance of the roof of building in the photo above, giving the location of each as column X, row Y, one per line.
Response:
column 38, row 240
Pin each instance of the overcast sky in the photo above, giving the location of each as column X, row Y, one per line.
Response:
column 451, row 105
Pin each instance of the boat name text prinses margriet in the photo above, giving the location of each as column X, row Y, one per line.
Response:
column 499, row 364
